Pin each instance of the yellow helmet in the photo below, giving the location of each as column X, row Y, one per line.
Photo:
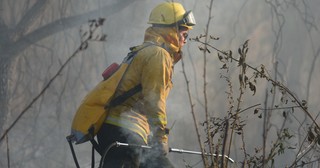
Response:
column 171, row 14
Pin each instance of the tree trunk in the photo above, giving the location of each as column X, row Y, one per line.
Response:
column 10, row 49
column 4, row 70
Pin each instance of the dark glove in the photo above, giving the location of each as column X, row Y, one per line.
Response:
column 159, row 142
column 160, row 148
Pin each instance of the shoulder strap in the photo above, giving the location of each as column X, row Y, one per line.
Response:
column 121, row 98
column 134, row 51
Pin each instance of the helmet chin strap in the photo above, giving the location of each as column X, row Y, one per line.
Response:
column 177, row 56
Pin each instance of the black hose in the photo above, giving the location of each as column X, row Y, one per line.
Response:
column 72, row 151
column 105, row 153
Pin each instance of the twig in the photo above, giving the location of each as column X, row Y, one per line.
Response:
column 264, row 131
column 8, row 151
column 205, row 84
column 274, row 82
column 82, row 46
column 195, row 121
column 39, row 95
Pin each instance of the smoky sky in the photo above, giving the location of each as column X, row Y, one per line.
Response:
column 283, row 37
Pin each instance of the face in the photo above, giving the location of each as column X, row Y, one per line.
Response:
column 183, row 37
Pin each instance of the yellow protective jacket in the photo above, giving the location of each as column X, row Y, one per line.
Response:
column 152, row 67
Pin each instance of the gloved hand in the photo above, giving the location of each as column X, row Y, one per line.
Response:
column 159, row 141
column 160, row 148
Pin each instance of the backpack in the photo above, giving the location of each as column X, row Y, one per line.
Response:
column 93, row 109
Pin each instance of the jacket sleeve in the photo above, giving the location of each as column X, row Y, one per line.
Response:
column 156, row 84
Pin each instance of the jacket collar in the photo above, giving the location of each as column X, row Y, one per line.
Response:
column 167, row 37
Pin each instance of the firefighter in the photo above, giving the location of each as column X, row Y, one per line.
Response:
column 142, row 118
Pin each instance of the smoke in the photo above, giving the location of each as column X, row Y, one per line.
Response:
column 281, row 33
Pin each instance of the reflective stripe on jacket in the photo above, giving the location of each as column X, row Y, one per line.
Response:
column 145, row 112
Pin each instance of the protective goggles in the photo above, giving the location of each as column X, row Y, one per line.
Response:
column 188, row 19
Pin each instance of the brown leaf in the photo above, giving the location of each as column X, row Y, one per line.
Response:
column 220, row 57
column 284, row 114
column 240, row 51
column 84, row 46
column 246, row 79
column 224, row 66
column 310, row 136
column 103, row 37
column 101, row 21
column 252, row 88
